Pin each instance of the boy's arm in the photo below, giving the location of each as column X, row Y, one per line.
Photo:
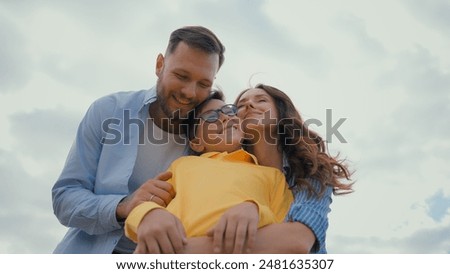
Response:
column 135, row 218
column 155, row 230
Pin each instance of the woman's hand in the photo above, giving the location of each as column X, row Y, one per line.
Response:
column 236, row 230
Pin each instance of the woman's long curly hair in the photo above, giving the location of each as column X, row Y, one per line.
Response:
column 306, row 151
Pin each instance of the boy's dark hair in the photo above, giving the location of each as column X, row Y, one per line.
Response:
column 193, row 119
column 197, row 37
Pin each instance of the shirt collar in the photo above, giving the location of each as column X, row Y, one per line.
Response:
column 149, row 97
column 239, row 155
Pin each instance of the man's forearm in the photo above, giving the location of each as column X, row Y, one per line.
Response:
column 291, row 237
column 199, row 245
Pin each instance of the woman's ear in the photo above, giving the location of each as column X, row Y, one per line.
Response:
column 159, row 64
column 196, row 145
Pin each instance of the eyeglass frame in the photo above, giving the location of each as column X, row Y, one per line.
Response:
column 234, row 108
column 234, row 112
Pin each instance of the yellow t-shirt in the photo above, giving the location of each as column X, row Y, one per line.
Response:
column 208, row 185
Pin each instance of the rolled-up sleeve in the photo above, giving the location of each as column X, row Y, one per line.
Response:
column 312, row 211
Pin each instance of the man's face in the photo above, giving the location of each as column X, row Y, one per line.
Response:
column 185, row 78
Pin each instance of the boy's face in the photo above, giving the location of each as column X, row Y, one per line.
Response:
column 224, row 134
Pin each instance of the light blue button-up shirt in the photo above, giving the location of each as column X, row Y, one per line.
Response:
column 96, row 173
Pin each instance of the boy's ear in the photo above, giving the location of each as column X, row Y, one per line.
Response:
column 196, row 145
column 159, row 64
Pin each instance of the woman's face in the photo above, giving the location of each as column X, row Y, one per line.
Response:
column 257, row 107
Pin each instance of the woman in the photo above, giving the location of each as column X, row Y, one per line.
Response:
column 278, row 137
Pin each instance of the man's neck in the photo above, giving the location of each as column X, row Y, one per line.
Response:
column 162, row 121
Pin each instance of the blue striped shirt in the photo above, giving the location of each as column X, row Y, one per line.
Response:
column 310, row 211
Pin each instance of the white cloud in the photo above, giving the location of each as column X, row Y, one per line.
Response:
column 355, row 26
column 15, row 65
column 50, row 128
column 426, row 241
column 28, row 223
column 432, row 13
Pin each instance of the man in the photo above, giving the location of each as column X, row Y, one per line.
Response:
column 125, row 140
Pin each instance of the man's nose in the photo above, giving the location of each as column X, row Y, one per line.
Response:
column 189, row 91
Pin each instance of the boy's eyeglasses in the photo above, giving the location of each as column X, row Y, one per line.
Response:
column 213, row 115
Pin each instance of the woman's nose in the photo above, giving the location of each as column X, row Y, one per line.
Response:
column 250, row 104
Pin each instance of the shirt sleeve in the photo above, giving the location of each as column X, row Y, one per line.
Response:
column 74, row 202
column 265, row 213
column 313, row 212
column 280, row 198
column 135, row 217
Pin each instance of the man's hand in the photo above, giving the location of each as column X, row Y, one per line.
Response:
column 236, row 230
column 156, row 190
column 160, row 232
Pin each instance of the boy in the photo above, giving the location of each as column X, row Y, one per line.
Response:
column 223, row 177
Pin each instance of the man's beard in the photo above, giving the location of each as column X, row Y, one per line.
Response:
column 174, row 116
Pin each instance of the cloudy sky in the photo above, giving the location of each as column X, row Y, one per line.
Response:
column 383, row 67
